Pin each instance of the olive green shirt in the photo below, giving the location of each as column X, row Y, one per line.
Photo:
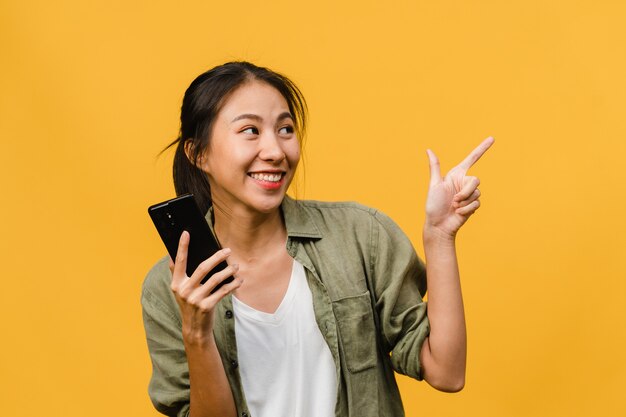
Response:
column 367, row 285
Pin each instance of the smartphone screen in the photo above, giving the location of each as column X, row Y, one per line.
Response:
column 172, row 217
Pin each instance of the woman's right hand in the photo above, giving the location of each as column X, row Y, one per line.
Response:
column 195, row 300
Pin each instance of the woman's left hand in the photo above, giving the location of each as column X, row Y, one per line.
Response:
column 454, row 198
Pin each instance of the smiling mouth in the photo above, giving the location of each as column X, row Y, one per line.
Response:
column 266, row 176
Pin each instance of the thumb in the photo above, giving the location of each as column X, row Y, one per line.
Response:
column 435, row 174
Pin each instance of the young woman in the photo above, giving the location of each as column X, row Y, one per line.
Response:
column 326, row 301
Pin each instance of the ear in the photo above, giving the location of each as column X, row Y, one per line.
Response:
column 188, row 146
column 198, row 162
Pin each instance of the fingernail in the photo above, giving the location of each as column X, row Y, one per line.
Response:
column 226, row 251
column 236, row 266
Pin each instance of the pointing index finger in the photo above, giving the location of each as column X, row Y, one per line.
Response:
column 476, row 153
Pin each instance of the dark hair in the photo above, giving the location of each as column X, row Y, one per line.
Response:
column 202, row 102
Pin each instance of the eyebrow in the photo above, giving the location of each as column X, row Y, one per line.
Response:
column 282, row 116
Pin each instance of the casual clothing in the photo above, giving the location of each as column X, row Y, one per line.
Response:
column 285, row 364
column 367, row 285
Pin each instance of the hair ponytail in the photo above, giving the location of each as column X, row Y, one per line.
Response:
column 189, row 179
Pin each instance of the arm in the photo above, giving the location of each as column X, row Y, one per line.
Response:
column 451, row 201
column 443, row 352
column 210, row 393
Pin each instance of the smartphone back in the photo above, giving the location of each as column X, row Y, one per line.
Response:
column 172, row 217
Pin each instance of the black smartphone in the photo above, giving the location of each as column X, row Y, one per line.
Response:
column 172, row 217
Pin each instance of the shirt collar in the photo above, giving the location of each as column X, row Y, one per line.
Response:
column 297, row 221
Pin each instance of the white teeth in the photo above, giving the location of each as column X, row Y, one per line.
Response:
column 266, row 177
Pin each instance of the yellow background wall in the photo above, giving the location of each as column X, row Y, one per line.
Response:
column 90, row 93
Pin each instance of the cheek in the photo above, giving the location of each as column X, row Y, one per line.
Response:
column 293, row 155
column 228, row 158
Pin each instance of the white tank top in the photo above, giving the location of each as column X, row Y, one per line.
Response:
column 285, row 364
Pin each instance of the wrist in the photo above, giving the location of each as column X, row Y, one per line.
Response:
column 194, row 341
column 433, row 235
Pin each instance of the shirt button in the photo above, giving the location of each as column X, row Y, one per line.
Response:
column 244, row 414
column 234, row 364
column 229, row 314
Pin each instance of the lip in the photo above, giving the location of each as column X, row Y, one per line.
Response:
column 269, row 185
column 269, row 171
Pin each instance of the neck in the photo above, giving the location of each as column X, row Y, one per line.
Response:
column 248, row 233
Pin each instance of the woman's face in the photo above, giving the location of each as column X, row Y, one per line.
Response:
column 253, row 151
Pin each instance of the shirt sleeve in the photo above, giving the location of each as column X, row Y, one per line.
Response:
column 399, row 280
column 169, row 384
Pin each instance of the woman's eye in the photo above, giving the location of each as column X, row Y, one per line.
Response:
column 286, row 130
column 251, row 131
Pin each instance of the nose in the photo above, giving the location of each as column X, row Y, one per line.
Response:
column 271, row 148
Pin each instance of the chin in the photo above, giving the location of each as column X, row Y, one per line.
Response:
column 267, row 205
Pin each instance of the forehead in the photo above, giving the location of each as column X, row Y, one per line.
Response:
column 255, row 97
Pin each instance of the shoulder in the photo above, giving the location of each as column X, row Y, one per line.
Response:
column 347, row 214
column 369, row 230
column 342, row 225
column 345, row 211
column 334, row 206
column 158, row 276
